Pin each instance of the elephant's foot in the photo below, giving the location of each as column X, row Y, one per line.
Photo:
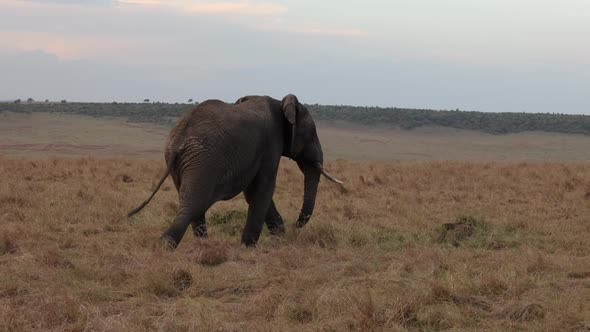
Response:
column 200, row 227
column 168, row 242
column 277, row 231
column 200, row 231
column 249, row 240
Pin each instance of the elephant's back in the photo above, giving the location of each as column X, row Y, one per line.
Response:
column 215, row 121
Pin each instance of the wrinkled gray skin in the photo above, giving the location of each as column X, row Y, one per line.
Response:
column 218, row 150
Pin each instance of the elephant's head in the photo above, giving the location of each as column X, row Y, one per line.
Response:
column 303, row 146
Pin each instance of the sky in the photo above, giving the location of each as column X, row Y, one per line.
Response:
column 474, row 55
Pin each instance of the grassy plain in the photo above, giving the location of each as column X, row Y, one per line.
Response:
column 404, row 245
column 44, row 134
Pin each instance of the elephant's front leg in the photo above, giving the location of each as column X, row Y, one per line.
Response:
column 259, row 196
column 200, row 227
column 274, row 221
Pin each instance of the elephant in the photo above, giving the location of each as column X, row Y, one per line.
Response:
column 218, row 150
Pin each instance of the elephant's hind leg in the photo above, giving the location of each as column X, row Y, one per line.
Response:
column 193, row 205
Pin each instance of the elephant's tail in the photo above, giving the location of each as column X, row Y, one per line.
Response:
column 168, row 167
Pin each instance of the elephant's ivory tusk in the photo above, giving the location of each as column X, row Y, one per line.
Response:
column 327, row 175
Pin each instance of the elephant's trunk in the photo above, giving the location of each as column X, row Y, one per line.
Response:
column 311, row 181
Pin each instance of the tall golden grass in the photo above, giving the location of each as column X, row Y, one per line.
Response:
column 402, row 246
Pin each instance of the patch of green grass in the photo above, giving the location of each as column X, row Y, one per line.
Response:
column 357, row 239
column 385, row 236
column 391, row 240
column 228, row 222
column 474, row 232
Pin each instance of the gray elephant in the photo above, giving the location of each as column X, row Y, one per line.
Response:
column 218, row 150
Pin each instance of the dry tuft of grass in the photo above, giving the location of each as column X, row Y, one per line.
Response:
column 7, row 244
column 579, row 275
column 527, row 312
column 403, row 246
column 182, row 279
column 322, row 235
column 463, row 229
column 210, row 252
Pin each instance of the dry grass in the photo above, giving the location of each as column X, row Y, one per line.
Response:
column 403, row 246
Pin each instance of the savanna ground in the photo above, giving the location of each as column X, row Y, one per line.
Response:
column 403, row 245
column 44, row 134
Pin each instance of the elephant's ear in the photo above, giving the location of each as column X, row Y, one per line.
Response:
column 241, row 100
column 290, row 105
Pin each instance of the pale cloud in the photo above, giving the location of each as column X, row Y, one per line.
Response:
column 61, row 46
column 39, row 4
column 265, row 16
column 72, row 2
column 314, row 30
column 263, row 8
column 140, row 2
column 211, row 7
column 71, row 47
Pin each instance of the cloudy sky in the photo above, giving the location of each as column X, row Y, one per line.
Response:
column 484, row 55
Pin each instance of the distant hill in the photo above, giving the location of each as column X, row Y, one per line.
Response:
column 495, row 123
